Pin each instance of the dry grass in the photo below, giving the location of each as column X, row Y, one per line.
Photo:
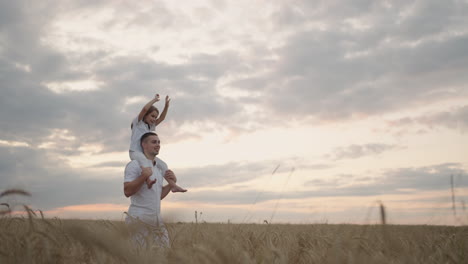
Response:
column 33, row 239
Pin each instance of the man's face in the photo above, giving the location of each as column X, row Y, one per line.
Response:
column 151, row 145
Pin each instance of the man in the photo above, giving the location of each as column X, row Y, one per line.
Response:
column 144, row 217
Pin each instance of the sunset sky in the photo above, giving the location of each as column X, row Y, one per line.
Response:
column 294, row 111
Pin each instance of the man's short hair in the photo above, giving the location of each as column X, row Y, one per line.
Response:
column 146, row 135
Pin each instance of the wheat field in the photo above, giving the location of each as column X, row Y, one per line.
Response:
column 35, row 239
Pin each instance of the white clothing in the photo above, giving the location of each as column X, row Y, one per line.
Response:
column 139, row 128
column 146, row 163
column 147, row 236
column 146, row 203
column 144, row 214
column 141, row 158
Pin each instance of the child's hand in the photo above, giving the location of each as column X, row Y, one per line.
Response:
column 150, row 183
column 156, row 97
column 167, row 99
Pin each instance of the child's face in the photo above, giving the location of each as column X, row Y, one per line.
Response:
column 151, row 118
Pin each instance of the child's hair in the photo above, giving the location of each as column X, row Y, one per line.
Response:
column 150, row 110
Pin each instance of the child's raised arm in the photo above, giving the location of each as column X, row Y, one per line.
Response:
column 162, row 116
column 147, row 107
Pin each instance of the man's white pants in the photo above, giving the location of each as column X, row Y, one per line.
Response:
column 146, row 235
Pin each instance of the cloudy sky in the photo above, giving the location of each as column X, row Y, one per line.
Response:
column 288, row 111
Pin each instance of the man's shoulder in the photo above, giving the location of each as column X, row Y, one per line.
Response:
column 159, row 160
column 161, row 163
column 132, row 165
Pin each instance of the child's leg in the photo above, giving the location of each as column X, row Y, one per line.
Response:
column 143, row 162
column 163, row 167
column 174, row 186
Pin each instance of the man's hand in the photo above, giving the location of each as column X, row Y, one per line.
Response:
column 156, row 97
column 146, row 172
column 169, row 175
column 167, row 100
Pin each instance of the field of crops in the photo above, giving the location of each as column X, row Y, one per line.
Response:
column 33, row 239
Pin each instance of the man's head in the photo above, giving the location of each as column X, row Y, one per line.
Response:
column 150, row 144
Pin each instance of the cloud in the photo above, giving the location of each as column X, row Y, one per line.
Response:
column 313, row 74
column 68, row 71
column 328, row 86
column 455, row 118
column 52, row 183
column 225, row 174
column 28, row 66
column 391, row 182
column 358, row 151
column 425, row 18
column 339, row 72
column 114, row 164
column 55, row 185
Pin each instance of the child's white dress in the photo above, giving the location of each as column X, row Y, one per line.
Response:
column 139, row 128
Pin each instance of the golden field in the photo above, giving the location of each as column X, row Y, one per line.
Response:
column 34, row 239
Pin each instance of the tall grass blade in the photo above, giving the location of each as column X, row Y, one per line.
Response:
column 14, row 191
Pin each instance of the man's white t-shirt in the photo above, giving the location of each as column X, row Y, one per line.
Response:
column 146, row 203
column 139, row 128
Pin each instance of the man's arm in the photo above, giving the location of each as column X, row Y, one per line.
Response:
column 130, row 188
column 166, row 189
column 162, row 116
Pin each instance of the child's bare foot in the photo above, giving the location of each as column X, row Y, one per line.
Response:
column 150, row 182
column 177, row 188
